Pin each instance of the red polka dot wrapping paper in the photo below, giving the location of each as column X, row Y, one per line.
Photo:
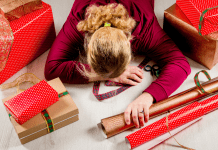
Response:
column 210, row 104
column 32, row 101
column 193, row 10
column 175, row 120
column 34, row 34
column 159, row 127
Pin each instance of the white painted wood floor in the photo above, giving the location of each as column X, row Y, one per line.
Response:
column 84, row 134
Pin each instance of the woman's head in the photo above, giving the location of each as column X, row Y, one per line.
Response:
column 109, row 52
column 108, row 48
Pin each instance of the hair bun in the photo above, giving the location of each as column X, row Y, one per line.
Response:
column 115, row 14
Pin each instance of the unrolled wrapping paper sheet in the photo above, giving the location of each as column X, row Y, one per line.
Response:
column 116, row 124
column 176, row 119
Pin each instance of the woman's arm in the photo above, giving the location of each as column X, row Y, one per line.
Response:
column 175, row 67
column 61, row 61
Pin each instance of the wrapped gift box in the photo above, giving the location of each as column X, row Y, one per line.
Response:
column 33, row 33
column 14, row 9
column 63, row 112
column 187, row 38
column 32, row 101
column 193, row 10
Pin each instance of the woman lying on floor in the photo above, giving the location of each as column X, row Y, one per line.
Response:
column 107, row 32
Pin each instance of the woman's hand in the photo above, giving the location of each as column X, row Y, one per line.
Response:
column 142, row 103
column 132, row 76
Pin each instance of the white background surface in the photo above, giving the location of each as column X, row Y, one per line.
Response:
column 84, row 134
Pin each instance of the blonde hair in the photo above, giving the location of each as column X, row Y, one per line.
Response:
column 108, row 48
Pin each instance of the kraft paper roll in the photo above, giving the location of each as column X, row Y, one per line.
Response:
column 116, row 124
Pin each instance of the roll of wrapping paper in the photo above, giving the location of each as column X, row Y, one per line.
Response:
column 116, row 124
column 176, row 119
column 14, row 9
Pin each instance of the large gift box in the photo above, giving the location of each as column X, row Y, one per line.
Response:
column 203, row 50
column 33, row 33
column 62, row 113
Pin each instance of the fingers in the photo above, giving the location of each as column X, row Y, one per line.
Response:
column 141, row 119
column 135, row 78
column 127, row 115
column 146, row 114
column 137, row 71
column 132, row 76
column 130, row 82
column 135, row 117
column 138, row 118
column 142, row 103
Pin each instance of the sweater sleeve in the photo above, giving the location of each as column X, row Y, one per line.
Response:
column 175, row 67
column 61, row 61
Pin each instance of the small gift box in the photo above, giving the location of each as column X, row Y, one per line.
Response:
column 203, row 50
column 14, row 9
column 6, row 40
column 193, row 9
column 32, row 101
column 34, row 33
column 58, row 115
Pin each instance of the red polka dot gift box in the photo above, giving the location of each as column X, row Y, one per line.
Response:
column 203, row 14
column 32, row 101
column 33, row 33
column 63, row 112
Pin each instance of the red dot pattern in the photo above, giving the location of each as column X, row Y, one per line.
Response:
column 193, row 9
column 158, row 128
column 34, row 34
column 175, row 120
column 210, row 104
column 27, row 104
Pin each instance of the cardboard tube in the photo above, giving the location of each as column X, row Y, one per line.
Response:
column 116, row 124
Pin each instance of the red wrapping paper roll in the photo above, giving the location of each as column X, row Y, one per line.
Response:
column 175, row 120
column 159, row 127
